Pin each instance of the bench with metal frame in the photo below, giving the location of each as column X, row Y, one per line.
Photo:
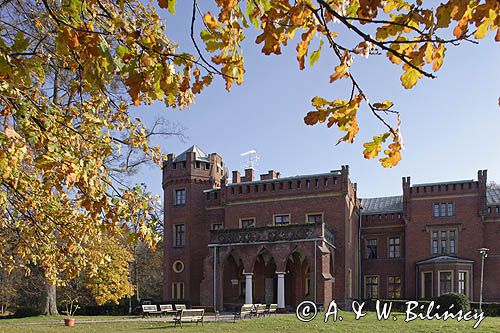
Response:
column 150, row 309
column 167, row 309
column 272, row 309
column 189, row 315
column 243, row 311
column 259, row 310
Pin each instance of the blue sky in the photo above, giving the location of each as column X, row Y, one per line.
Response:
column 450, row 124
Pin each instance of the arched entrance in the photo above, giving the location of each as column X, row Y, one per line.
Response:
column 264, row 279
column 298, row 285
column 233, row 281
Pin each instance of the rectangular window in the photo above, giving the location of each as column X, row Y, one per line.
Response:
column 371, row 287
column 216, row 226
column 314, row 218
column 443, row 245
column 445, row 282
column 179, row 235
column 371, row 249
column 394, row 247
column 444, row 242
column 443, row 209
column 451, row 237
column 281, row 219
column 248, row 223
column 436, row 210
column 463, row 283
column 178, row 290
column 180, row 197
column 451, row 209
column 394, row 287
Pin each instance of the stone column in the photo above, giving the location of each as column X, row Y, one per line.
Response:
column 281, row 290
column 248, row 288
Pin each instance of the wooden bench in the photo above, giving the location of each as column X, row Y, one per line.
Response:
column 167, row 309
column 245, row 310
column 189, row 315
column 150, row 309
column 272, row 309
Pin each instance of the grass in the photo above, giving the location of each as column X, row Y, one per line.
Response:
column 284, row 323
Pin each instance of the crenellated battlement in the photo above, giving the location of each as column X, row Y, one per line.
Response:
column 194, row 165
column 297, row 185
column 460, row 186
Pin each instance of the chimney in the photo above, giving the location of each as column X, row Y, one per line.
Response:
column 249, row 175
column 271, row 174
column 482, row 178
column 236, row 177
column 406, row 182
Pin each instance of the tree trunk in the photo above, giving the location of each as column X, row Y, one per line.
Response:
column 50, row 300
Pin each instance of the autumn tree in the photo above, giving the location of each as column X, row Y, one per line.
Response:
column 412, row 34
column 72, row 70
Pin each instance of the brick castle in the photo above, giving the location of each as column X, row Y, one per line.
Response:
column 288, row 239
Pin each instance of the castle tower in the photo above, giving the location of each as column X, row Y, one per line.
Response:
column 185, row 178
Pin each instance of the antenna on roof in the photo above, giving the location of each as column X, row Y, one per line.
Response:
column 252, row 160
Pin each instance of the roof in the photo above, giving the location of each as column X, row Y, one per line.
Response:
column 382, row 205
column 493, row 196
column 395, row 203
column 200, row 155
column 443, row 259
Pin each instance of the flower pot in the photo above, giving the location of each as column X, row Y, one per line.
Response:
column 69, row 322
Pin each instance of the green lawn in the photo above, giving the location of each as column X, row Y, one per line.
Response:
column 285, row 323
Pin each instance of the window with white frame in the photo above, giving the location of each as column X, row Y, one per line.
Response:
column 248, row 222
column 463, row 282
column 445, row 282
column 216, row 226
column 178, row 290
column 443, row 242
column 315, row 218
column 281, row 219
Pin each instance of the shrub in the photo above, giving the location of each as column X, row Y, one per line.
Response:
column 490, row 309
column 455, row 301
column 24, row 312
